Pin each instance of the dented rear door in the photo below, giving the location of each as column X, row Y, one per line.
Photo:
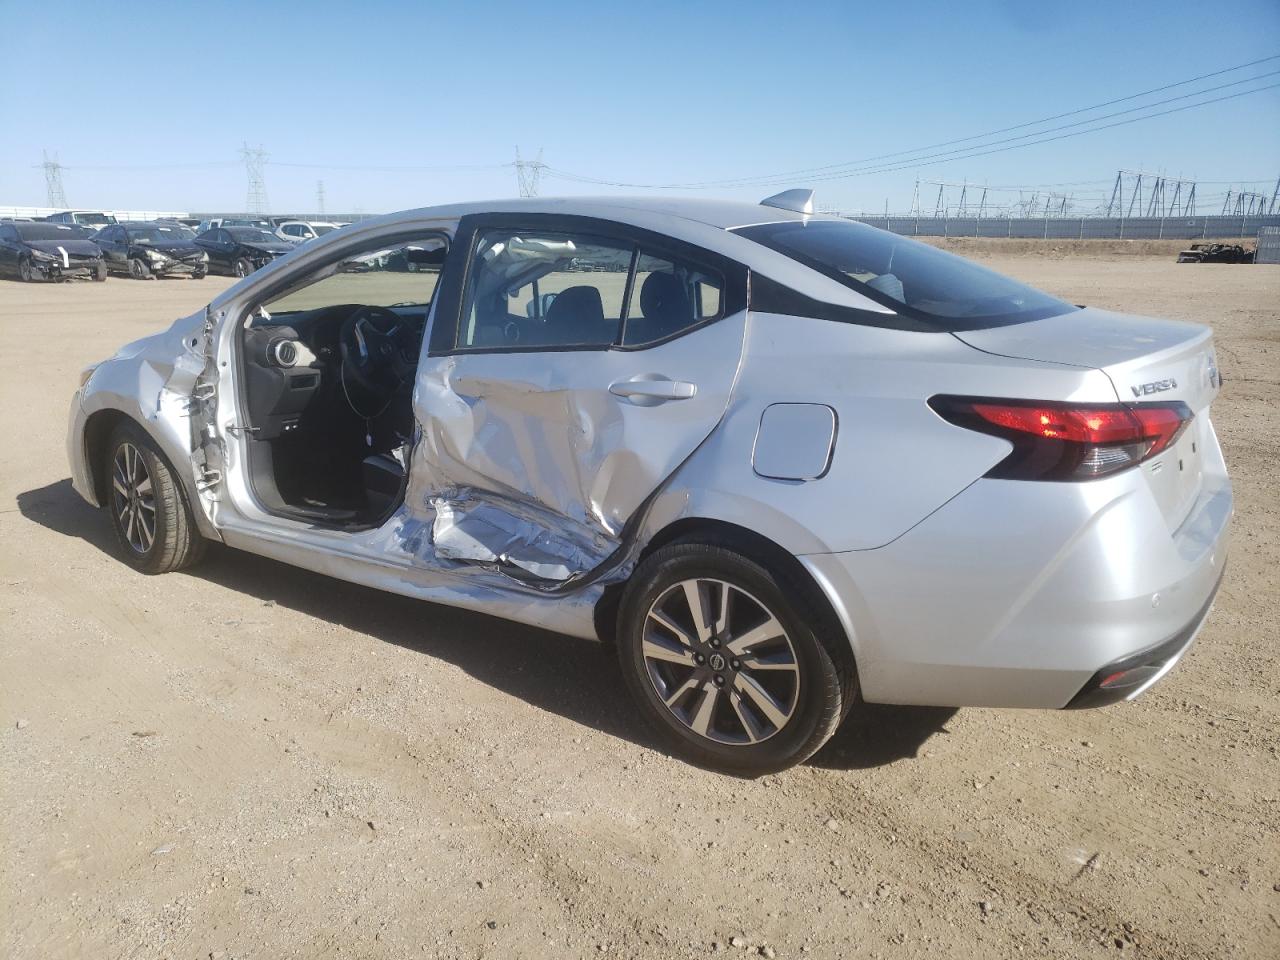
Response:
column 534, row 455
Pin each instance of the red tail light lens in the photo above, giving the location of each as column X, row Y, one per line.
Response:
column 1064, row 441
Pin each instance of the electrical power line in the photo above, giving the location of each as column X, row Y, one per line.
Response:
column 947, row 156
column 772, row 179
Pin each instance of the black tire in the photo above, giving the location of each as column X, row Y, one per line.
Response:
column 139, row 270
column 241, row 268
column 174, row 541
column 100, row 272
column 199, row 274
column 25, row 273
column 818, row 682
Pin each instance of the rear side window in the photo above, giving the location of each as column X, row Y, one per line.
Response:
column 947, row 292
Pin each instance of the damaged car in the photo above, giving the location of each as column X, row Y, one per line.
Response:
column 779, row 461
column 48, row 251
column 238, row 251
column 1216, row 253
column 147, row 249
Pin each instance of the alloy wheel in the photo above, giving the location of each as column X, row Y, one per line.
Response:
column 721, row 661
column 133, row 497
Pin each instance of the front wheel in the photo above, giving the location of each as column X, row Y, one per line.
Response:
column 25, row 272
column 724, row 664
column 242, row 267
column 100, row 272
column 139, row 270
column 199, row 274
column 153, row 524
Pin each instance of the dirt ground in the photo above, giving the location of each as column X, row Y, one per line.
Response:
column 249, row 760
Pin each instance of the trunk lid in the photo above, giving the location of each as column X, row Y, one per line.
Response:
column 1147, row 361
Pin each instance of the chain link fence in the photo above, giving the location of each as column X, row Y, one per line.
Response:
column 1076, row 228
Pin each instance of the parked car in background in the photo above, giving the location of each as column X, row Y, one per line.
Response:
column 215, row 222
column 146, row 249
column 238, row 251
column 48, row 251
column 94, row 219
column 300, row 231
column 780, row 461
column 1216, row 253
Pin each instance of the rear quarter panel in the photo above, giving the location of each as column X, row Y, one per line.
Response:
column 893, row 462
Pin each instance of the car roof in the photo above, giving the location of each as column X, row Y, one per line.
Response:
column 724, row 214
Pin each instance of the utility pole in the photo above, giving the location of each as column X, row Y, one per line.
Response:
column 254, row 161
column 53, row 181
column 528, row 173
column 320, row 197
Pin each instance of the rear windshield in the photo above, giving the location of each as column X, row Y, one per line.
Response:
column 947, row 292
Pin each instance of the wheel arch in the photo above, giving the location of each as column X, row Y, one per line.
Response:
column 97, row 434
column 749, row 543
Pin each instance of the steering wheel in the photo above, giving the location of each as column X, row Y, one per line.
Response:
column 378, row 349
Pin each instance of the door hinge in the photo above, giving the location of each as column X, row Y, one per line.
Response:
column 208, row 479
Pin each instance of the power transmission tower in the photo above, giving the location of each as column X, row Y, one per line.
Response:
column 254, row 161
column 53, row 181
column 1275, row 198
column 528, row 173
column 1165, row 197
column 320, row 197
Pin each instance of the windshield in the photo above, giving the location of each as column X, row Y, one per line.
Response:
column 949, row 292
column 98, row 218
column 48, row 231
column 321, row 229
column 173, row 234
column 252, row 235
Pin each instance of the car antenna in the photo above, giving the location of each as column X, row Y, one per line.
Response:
column 801, row 201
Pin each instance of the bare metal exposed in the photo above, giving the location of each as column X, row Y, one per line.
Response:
column 780, row 460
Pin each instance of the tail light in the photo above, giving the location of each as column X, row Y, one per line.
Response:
column 1067, row 441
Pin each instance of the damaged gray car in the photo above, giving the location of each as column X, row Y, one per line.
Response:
column 779, row 460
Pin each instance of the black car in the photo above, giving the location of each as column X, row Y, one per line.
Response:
column 239, row 251
column 1216, row 253
column 145, row 249
column 48, row 251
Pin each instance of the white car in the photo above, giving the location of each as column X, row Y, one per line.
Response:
column 779, row 460
column 300, row 231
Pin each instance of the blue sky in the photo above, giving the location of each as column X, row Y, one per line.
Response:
column 648, row 93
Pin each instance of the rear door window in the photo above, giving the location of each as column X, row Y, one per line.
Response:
column 529, row 288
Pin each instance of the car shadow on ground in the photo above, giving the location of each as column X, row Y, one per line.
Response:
column 577, row 679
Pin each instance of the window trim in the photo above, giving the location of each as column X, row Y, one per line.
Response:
column 442, row 339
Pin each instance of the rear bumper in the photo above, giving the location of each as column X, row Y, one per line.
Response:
column 1130, row 676
column 1019, row 594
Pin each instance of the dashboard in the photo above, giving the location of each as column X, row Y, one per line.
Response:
column 293, row 359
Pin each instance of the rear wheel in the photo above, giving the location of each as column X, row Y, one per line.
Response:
column 153, row 524
column 242, row 267
column 723, row 664
column 139, row 270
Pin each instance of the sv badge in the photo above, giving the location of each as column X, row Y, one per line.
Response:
column 1155, row 386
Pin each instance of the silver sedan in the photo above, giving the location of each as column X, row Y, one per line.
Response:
column 780, row 461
